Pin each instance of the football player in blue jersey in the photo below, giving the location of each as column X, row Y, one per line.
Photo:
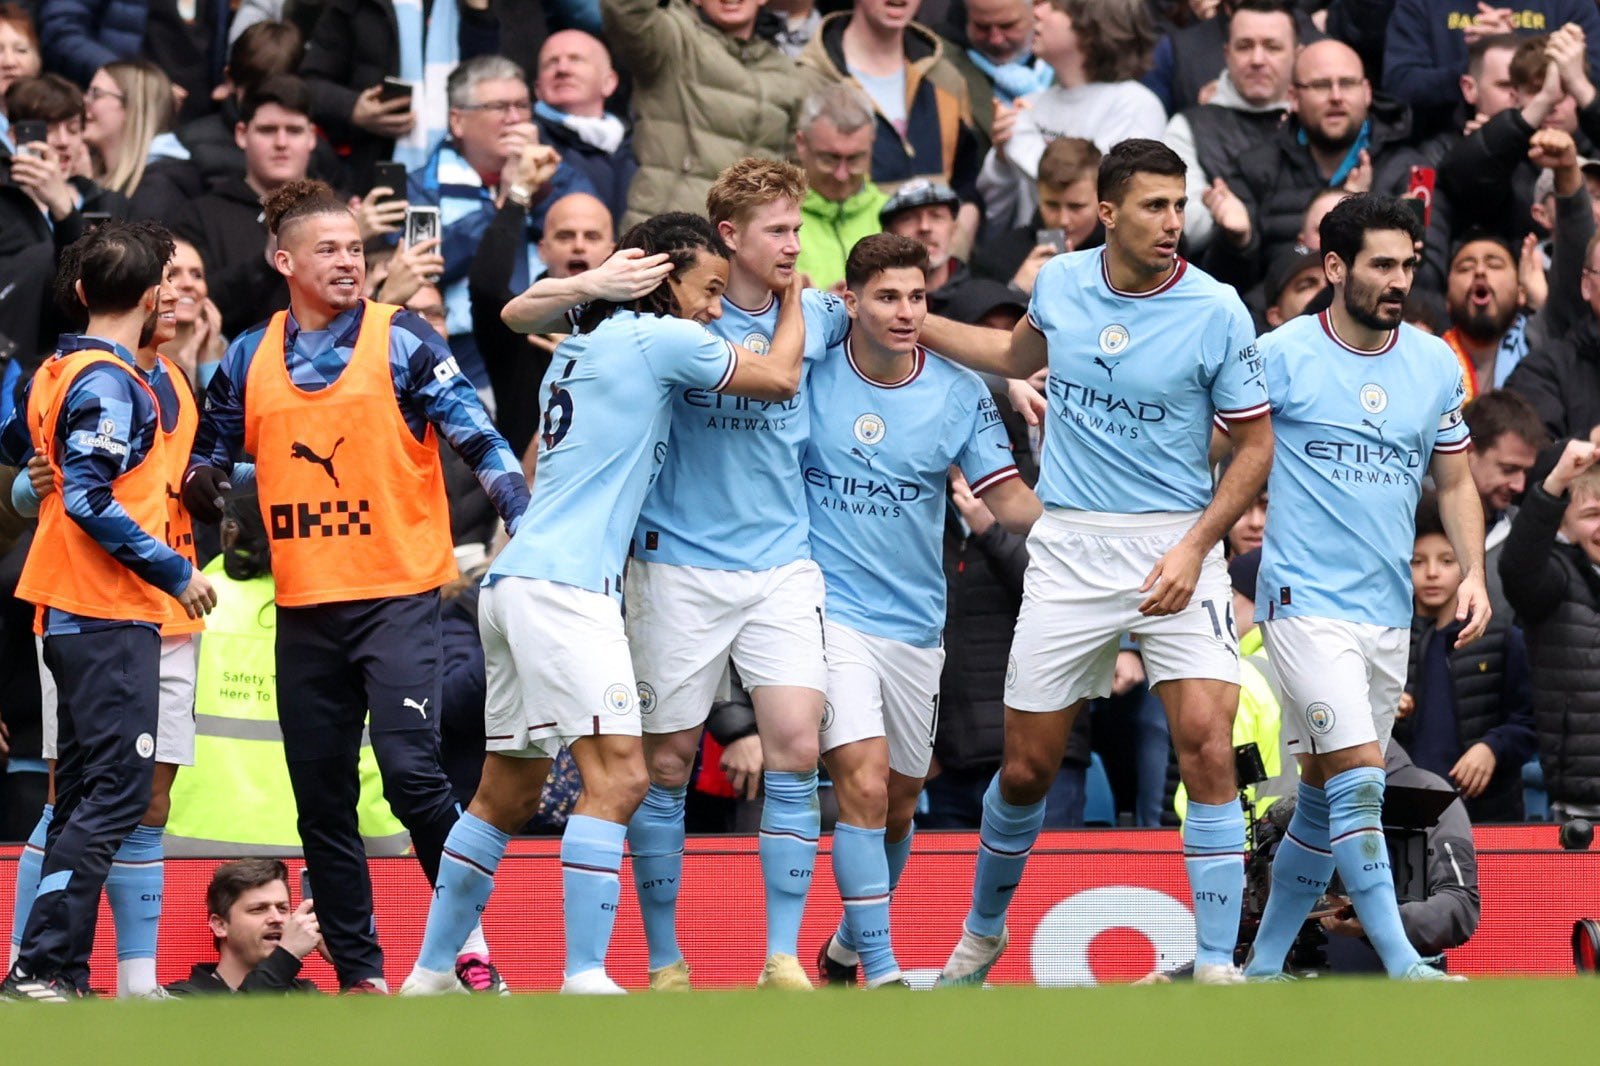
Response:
column 1363, row 407
column 887, row 423
column 557, row 659
column 1143, row 350
column 722, row 570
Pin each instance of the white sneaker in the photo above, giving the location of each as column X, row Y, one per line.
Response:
column 156, row 994
column 972, row 958
column 1218, row 974
column 592, row 983
column 432, row 983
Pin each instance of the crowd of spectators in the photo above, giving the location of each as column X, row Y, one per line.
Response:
column 539, row 129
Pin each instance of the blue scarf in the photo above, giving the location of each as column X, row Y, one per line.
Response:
column 1352, row 158
column 1016, row 78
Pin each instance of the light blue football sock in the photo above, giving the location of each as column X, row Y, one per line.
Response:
column 591, row 855
column 1005, row 839
column 862, row 871
column 655, row 843
column 1355, row 827
column 790, row 824
column 133, row 888
column 896, row 852
column 471, row 855
column 1213, row 855
column 1301, row 869
column 29, row 866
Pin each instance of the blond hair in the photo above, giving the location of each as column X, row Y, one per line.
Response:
column 1586, row 486
column 147, row 100
column 752, row 183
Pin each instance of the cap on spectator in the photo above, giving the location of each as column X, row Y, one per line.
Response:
column 918, row 192
column 1546, row 185
column 1242, row 572
column 977, row 298
column 1284, row 269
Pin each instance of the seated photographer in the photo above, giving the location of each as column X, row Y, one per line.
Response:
column 260, row 941
column 1449, row 915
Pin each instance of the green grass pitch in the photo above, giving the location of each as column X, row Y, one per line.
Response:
column 1343, row 1022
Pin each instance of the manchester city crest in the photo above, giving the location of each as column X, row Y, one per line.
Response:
column 869, row 429
column 1113, row 339
column 1373, row 398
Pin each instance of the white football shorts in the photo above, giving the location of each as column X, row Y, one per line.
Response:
column 1081, row 595
column 180, row 657
column 878, row 687
column 556, row 665
column 684, row 623
column 1340, row 682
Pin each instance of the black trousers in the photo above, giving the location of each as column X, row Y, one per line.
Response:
column 336, row 663
column 109, row 691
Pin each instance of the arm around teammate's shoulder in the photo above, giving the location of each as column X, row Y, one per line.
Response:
column 776, row 375
column 1017, row 354
column 627, row 275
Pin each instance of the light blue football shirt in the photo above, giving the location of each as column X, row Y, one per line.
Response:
column 729, row 495
column 607, row 414
column 1355, row 432
column 875, row 472
column 1134, row 382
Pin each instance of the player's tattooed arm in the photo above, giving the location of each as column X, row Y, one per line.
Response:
column 1172, row 581
column 1017, row 354
column 776, row 375
column 628, row 275
column 1462, row 511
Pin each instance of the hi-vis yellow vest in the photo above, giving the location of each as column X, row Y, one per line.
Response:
column 236, row 799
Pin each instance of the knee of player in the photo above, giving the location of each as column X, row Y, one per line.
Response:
column 1026, row 780
column 626, row 787
column 669, row 769
column 865, row 792
column 794, row 754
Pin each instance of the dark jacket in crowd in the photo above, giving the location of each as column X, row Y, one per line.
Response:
column 1276, row 181
column 278, row 972
column 462, row 693
column 1488, row 176
column 1425, row 53
column 78, row 37
column 228, row 226
column 983, row 575
column 166, row 188
column 1561, row 379
column 1001, row 256
column 19, row 665
column 1450, row 915
column 1223, row 134
column 515, row 366
column 1485, row 697
column 1189, row 58
column 1556, row 593
column 357, row 44
column 215, row 153
column 29, row 246
column 609, row 172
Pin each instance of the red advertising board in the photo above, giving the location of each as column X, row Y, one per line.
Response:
column 1096, row 906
